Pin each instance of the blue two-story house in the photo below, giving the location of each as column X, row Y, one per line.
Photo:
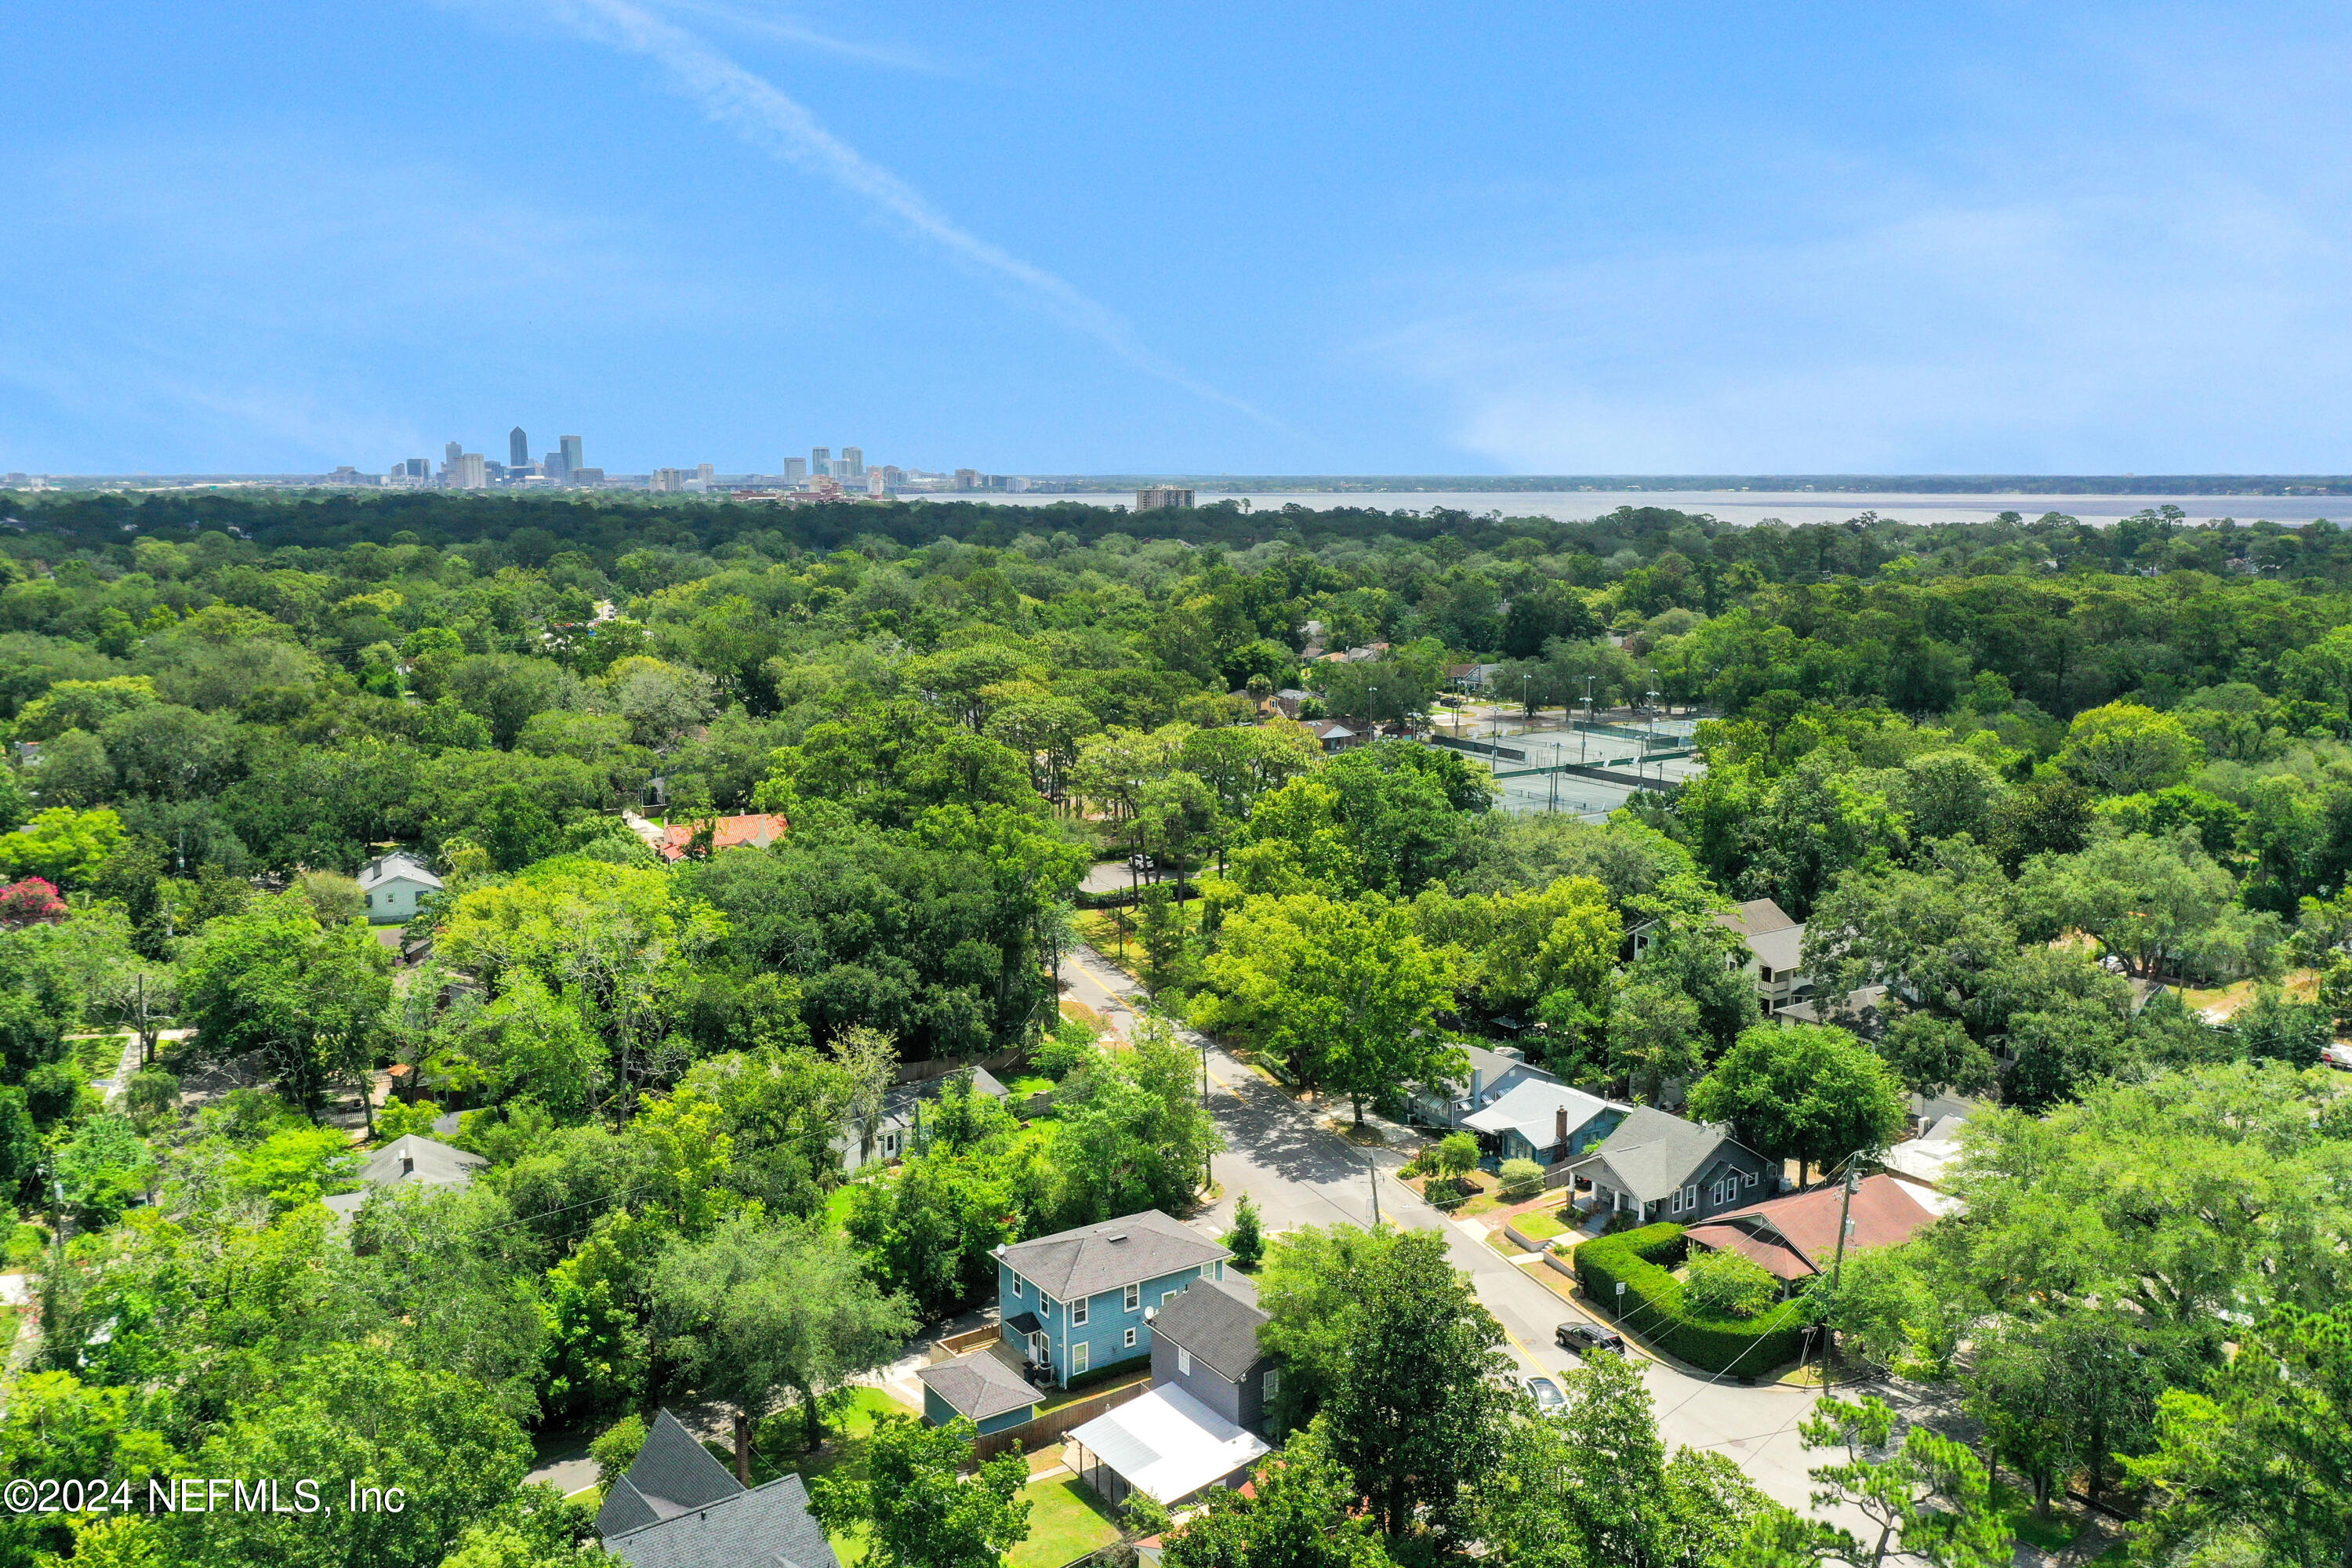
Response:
column 1543, row 1119
column 1077, row 1302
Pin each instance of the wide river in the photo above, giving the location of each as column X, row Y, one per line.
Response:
column 1753, row 506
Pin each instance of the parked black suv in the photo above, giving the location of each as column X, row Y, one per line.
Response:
column 1584, row 1339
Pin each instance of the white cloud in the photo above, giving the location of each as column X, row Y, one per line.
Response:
column 2190, row 331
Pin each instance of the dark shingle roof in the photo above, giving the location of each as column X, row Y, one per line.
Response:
column 1215, row 1324
column 767, row 1526
column 1654, row 1153
column 978, row 1385
column 1098, row 1258
column 671, row 1475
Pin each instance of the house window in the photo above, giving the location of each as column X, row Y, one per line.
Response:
column 1675, row 1203
column 1746, row 1178
column 1131, row 1339
column 1273, row 1383
column 1019, row 1285
column 1134, row 1297
column 1078, row 1312
column 1764, row 973
column 1079, row 1357
column 1168, row 1295
column 1714, row 1193
column 1690, row 1196
column 1183, row 1362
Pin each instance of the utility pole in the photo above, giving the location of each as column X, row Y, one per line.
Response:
column 1371, row 1167
column 1837, row 1265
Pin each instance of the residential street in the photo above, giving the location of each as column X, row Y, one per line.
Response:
column 1301, row 1173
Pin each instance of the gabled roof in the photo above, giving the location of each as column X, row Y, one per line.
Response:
column 399, row 865
column 766, row 1527
column 1491, row 1067
column 1216, row 1323
column 1530, row 1107
column 1755, row 917
column 410, row 1161
column 1652, row 1154
column 979, row 1385
column 1098, row 1258
column 1795, row 1236
column 1779, row 950
column 672, row 1475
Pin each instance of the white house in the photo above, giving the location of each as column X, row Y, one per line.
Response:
column 393, row 883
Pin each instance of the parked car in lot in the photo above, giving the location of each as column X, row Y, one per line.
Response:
column 2336, row 1054
column 1548, row 1396
column 1584, row 1339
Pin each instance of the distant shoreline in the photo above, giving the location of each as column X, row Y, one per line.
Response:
column 2154, row 486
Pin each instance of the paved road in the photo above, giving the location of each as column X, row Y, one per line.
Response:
column 1300, row 1173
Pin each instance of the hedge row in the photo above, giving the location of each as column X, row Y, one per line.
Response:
column 1654, row 1307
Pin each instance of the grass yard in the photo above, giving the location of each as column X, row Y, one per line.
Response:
column 98, row 1055
column 1027, row 1084
column 1539, row 1224
column 590, row 1498
column 2047, row 1534
column 1101, row 933
column 1065, row 1521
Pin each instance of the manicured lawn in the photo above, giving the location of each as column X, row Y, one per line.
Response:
column 99, row 1054
column 1539, row 1224
column 1027, row 1084
column 1066, row 1520
column 590, row 1497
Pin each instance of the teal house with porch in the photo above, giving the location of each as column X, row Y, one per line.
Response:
column 1071, row 1304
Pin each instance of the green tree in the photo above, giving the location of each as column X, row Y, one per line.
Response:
column 1802, row 1091
column 351, row 1415
column 1245, row 1240
column 1343, row 994
column 1653, row 1033
column 312, row 1002
column 1725, row 1284
column 1590, row 1484
column 1417, row 1408
column 2143, row 899
column 1300, row 1513
column 2127, row 749
column 1130, row 1130
column 2252, row 1467
column 63, row 846
column 1926, row 1497
column 759, row 1309
column 915, row 1506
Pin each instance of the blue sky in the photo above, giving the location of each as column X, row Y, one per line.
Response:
column 1049, row 237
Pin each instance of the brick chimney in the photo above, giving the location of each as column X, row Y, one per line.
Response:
column 1560, row 1124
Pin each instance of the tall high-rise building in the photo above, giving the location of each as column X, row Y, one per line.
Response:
column 517, row 449
column 417, row 468
column 669, row 479
column 967, row 478
column 705, row 472
column 875, row 484
column 571, row 448
column 795, row 470
column 552, row 466
column 453, row 451
column 819, row 461
column 466, row 473
column 852, row 463
column 1163, row 497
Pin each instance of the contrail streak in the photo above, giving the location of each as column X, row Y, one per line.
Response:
column 753, row 109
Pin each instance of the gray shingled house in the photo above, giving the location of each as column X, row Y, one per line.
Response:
column 1665, row 1168
column 679, row 1508
column 1205, row 1341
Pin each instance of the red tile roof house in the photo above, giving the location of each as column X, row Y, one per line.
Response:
column 676, row 840
column 1795, row 1238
